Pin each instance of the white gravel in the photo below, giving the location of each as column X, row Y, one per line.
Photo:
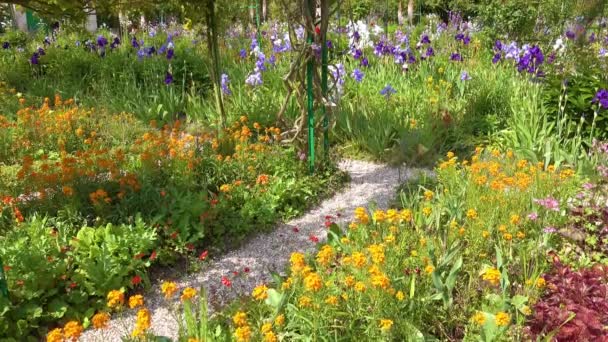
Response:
column 269, row 252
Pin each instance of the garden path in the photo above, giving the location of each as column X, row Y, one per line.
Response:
column 269, row 252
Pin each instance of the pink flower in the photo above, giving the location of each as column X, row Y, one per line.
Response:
column 226, row 282
column 549, row 203
column 532, row 216
column 314, row 239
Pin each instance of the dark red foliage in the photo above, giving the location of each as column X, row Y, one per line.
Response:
column 583, row 293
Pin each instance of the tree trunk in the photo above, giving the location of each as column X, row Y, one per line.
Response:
column 265, row 10
column 212, row 46
column 410, row 12
column 400, row 18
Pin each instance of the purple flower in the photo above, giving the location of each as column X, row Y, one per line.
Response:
column 329, row 44
column 466, row 40
column 592, row 38
column 254, row 44
column 46, row 41
column 364, row 62
column 357, row 54
column 225, row 84
column 243, row 53
column 6, row 45
column 456, row 57
column 115, row 43
column 464, row 76
column 357, row 75
column 254, row 79
column 387, row 91
column 41, row 51
column 497, row 45
column 34, row 58
column 601, row 97
column 101, row 41
column 168, row 78
column 459, row 36
column 588, row 186
column 548, row 203
column 356, row 36
column 570, row 35
column 532, row 216
column 549, row 230
column 140, row 55
column 429, row 52
column 425, row 39
column 134, row 43
column 496, row 58
column 272, row 60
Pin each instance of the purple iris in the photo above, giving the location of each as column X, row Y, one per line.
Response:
column 243, row 53
column 496, row 58
column 115, row 43
column 34, row 58
column 254, row 44
column 134, row 43
column 149, row 51
column 357, row 54
column 456, row 57
column 570, row 35
column 387, row 91
column 168, row 78
column 329, row 44
column 254, row 79
column 140, row 55
column 356, row 36
column 6, row 45
column 430, row 52
column 464, row 76
column 272, row 60
column 592, row 38
column 459, row 36
column 601, row 97
column 41, row 51
column 101, row 41
column 364, row 62
column 425, row 39
column 466, row 40
column 357, row 75
column 170, row 53
column 498, row 45
column 225, row 84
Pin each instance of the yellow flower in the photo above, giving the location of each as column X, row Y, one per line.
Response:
column 313, row 282
column 359, row 259
column 349, row 281
column 479, row 318
column 492, row 276
column 136, row 301
column 450, row 155
column 242, row 334
column 381, row 280
column 429, row 269
column 168, row 288
column 502, row 228
column 377, row 253
column 100, row 320
column 427, row 211
column 392, row 215
column 526, row 310
column 400, row 296
column 540, row 283
column 515, row 219
column 360, row 287
column 389, row 239
column 414, row 253
column 239, row 319
column 406, row 215
column 72, row 331
column 116, row 299
column 472, row 214
column 55, row 335
column 260, row 292
column 266, row 327
column 225, row 188
column 413, row 123
column 270, row 337
column 503, row 319
column 331, row 300
column 521, row 235
column 188, row 294
column 297, row 261
column 191, row 339
column 325, row 255
column 508, row 236
column 428, row 195
column 305, row 302
column 386, row 324
column 143, row 322
column 344, row 240
column 379, row 216
column 485, row 234
column 287, row 283
column 280, row 320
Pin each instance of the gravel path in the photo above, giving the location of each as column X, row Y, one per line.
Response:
column 257, row 258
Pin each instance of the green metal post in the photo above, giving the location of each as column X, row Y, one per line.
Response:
column 3, row 284
column 257, row 21
column 309, row 90
column 324, row 90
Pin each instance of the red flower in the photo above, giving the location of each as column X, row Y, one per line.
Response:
column 136, row 280
column 203, row 255
column 153, row 255
column 317, row 30
column 328, row 217
column 173, row 235
column 328, row 224
column 163, row 193
column 73, row 285
column 7, row 268
column 235, row 273
column 314, row 239
column 296, row 230
column 246, row 270
column 214, row 202
column 190, row 246
column 226, row 282
column 139, row 256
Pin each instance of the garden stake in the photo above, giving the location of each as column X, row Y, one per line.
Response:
column 324, row 91
column 310, row 94
column 3, row 284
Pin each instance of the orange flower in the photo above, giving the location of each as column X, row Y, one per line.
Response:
column 262, row 179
